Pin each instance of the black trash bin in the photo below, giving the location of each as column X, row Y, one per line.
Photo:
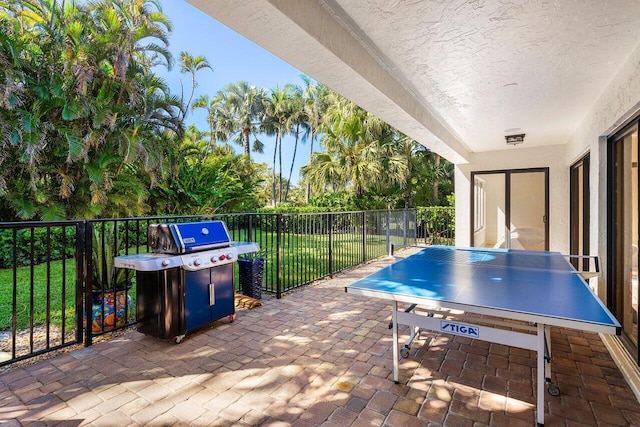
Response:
column 250, row 272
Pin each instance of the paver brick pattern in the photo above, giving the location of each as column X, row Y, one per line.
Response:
column 318, row 357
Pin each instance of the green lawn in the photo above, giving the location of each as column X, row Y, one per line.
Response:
column 305, row 257
column 61, row 295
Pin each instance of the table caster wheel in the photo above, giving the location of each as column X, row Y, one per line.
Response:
column 553, row 390
column 177, row 340
column 404, row 352
column 231, row 318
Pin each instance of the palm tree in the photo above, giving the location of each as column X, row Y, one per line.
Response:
column 85, row 114
column 439, row 172
column 206, row 179
column 212, row 107
column 141, row 107
column 398, row 154
column 299, row 126
column 362, row 153
column 323, row 172
column 315, row 98
column 277, row 122
column 353, row 138
column 239, row 108
column 191, row 64
column 53, row 11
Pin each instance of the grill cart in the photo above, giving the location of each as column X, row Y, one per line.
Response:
column 187, row 280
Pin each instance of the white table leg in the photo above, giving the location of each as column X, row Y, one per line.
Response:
column 552, row 387
column 394, row 320
column 540, row 386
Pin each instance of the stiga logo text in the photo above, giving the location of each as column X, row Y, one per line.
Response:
column 459, row 329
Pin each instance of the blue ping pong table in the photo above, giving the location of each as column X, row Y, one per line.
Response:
column 509, row 297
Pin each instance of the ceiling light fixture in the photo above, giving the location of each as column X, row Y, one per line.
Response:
column 515, row 139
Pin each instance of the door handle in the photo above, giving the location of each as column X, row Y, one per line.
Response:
column 212, row 294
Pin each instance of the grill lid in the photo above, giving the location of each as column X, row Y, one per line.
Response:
column 182, row 238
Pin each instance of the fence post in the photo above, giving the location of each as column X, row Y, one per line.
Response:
column 414, row 216
column 80, row 267
column 278, row 256
column 388, row 232
column 364, row 236
column 88, row 282
column 405, row 227
column 330, row 245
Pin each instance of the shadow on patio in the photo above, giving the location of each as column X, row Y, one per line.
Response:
column 317, row 357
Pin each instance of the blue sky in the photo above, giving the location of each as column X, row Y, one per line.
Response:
column 233, row 58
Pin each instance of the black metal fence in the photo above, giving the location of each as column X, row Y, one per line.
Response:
column 58, row 285
column 436, row 225
column 41, row 265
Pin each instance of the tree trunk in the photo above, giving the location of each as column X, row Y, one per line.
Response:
column 435, row 182
column 273, row 171
column 210, row 119
column 407, row 194
column 308, row 194
column 280, row 169
column 295, row 149
column 245, row 143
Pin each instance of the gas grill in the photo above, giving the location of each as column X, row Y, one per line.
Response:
column 187, row 280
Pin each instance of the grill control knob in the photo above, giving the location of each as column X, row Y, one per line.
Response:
column 214, row 259
column 229, row 256
column 165, row 263
column 197, row 262
column 222, row 257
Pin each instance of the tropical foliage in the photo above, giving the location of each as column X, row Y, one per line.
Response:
column 87, row 129
column 81, row 121
column 208, row 179
column 380, row 166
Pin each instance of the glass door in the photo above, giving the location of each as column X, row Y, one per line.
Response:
column 528, row 210
column 489, row 211
column 622, row 279
column 510, row 209
column 579, row 212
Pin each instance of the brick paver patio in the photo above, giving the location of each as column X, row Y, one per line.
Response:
column 317, row 357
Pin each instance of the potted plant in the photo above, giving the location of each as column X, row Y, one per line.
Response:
column 111, row 302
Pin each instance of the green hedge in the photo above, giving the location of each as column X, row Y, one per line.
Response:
column 436, row 224
column 52, row 242
column 44, row 242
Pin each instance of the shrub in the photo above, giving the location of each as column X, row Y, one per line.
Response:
column 58, row 242
column 436, row 224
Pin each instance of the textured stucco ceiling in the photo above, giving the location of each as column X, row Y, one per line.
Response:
column 456, row 75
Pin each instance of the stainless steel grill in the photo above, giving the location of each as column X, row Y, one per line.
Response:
column 187, row 281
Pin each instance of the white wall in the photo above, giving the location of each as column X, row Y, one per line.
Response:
column 618, row 102
column 519, row 157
